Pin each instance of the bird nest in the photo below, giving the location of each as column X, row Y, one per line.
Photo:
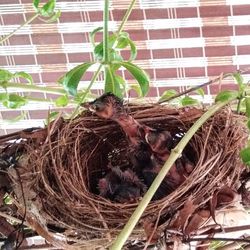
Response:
column 60, row 167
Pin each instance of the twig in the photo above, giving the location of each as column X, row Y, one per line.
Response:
column 105, row 32
column 9, row 217
column 125, row 18
column 227, row 229
column 18, row 28
column 216, row 238
column 34, row 88
column 219, row 78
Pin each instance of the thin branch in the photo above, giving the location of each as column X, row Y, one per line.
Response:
column 34, row 88
column 217, row 239
column 219, row 78
column 9, row 217
column 106, row 31
column 18, row 28
column 226, row 229
column 126, row 16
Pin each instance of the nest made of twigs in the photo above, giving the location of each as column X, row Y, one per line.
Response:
column 62, row 172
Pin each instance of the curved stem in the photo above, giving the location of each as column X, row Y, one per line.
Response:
column 175, row 153
column 126, row 16
column 87, row 90
column 34, row 88
column 18, row 28
column 106, row 31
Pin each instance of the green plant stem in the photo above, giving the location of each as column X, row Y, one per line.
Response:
column 238, row 105
column 87, row 90
column 29, row 98
column 175, row 153
column 126, row 16
column 18, row 28
column 106, row 32
column 34, row 88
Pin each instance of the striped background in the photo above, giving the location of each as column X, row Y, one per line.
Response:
column 180, row 43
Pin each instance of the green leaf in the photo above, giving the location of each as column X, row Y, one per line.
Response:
column 187, row 101
column 245, row 155
column 54, row 17
column 14, row 101
column 36, row 4
column 139, row 74
column 25, row 76
column 3, row 97
column 133, row 50
column 62, row 101
column 48, row 9
column 122, row 42
column 98, row 50
column 168, row 94
column 112, row 82
column 115, row 55
column 239, row 80
column 7, row 200
column 226, row 95
column 5, row 75
column 247, row 102
column 73, row 77
column 200, row 92
column 93, row 33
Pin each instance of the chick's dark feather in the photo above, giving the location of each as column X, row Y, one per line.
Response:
column 121, row 186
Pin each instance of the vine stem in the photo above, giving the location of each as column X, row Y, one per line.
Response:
column 87, row 90
column 175, row 153
column 18, row 28
column 126, row 16
column 106, row 31
column 34, row 88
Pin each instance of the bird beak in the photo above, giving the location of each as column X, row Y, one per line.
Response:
column 89, row 106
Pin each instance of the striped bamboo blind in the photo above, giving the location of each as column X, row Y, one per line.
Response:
column 180, row 43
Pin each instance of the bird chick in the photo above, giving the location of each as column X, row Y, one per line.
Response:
column 149, row 148
column 160, row 142
column 121, row 186
column 109, row 106
column 147, row 167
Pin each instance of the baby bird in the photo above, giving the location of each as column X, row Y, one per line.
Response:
column 109, row 106
column 161, row 143
column 149, row 148
column 121, row 186
column 147, row 168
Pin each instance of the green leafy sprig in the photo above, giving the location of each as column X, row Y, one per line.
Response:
column 107, row 54
column 46, row 13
